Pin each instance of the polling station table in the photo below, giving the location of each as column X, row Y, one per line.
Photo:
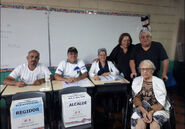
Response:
column 113, row 87
column 12, row 90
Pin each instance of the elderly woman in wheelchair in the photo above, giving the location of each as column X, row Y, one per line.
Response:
column 150, row 106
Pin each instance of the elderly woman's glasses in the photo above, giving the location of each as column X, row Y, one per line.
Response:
column 145, row 69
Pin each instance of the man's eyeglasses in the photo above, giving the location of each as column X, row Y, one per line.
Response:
column 147, row 37
column 145, row 69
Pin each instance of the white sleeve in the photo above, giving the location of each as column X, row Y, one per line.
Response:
column 83, row 69
column 46, row 70
column 61, row 67
column 16, row 73
column 92, row 71
column 160, row 91
column 137, row 84
column 113, row 70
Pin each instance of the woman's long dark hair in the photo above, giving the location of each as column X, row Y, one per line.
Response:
column 122, row 36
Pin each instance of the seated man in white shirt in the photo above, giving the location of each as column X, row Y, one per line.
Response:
column 102, row 67
column 72, row 69
column 30, row 73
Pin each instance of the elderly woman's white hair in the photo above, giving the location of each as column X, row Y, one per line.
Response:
column 152, row 66
column 145, row 31
column 102, row 50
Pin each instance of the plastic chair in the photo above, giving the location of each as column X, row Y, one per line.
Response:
column 33, row 94
column 171, row 81
column 68, row 91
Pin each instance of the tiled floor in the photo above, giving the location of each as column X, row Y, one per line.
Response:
column 179, row 103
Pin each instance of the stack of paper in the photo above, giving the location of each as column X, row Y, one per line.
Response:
column 82, row 83
column 111, row 78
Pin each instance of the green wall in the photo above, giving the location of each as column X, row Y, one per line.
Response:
column 3, row 75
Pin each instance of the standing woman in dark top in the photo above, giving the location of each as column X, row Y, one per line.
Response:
column 120, row 55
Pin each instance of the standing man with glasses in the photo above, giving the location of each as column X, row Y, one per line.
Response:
column 150, row 50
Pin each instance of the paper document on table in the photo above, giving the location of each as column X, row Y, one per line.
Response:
column 111, row 78
column 117, row 77
column 66, row 84
column 84, row 83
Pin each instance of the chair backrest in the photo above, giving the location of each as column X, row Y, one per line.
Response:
column 74, row 89
column 33, row 94
column 171, row 82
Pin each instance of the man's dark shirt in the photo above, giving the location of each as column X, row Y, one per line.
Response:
column 156, row 53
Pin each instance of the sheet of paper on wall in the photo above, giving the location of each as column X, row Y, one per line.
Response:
column 111, row 78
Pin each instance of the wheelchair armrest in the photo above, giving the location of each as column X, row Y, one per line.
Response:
column 170, row 101
column 130, row 98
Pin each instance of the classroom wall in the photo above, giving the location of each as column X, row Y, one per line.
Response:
column 165, row 14
column 166, row 17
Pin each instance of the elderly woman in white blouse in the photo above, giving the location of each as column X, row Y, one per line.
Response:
column 102, row 67
column 150, row 103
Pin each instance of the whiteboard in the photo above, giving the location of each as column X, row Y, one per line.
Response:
column 21, row 31
column 88, row 33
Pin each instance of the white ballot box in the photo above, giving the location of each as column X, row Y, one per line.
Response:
column 27, row 113
column 76, row 109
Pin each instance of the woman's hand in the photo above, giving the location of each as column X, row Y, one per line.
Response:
column 144, row 114
column 145, row 117
column 106, row 74
column 96, row 77
column 150, row 114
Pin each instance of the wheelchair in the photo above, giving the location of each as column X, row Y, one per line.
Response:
column 170, row 124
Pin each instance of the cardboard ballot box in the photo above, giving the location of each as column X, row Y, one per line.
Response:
column 27, row 113
column 76, row 109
